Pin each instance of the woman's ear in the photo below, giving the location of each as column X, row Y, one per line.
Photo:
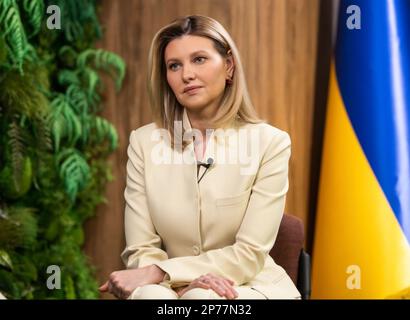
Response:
column 230, row 65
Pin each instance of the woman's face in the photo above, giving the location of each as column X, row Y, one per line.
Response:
column 192, row 61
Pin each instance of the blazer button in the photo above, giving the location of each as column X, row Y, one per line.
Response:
column 196, row 250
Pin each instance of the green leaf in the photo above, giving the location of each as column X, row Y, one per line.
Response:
column 64, row 122
column 35, row 11
column 14, row 186
column 68, row 77
column 92, row 81
column 5, row 260
column 69, row 287
column 105, row 60
column 74, row 171
column 13, row 31
column 78, row 99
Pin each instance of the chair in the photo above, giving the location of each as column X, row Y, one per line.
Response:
column 288, row 252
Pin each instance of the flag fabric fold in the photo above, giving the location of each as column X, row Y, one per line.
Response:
column 362, row 233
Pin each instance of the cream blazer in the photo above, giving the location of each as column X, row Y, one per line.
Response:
column 226, row 224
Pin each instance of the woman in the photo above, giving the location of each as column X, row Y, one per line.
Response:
column 206, row 182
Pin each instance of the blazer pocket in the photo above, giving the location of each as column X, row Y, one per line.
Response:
column 230, row 209
column 233, row 200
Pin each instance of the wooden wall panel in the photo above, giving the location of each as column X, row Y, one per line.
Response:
column 277, row 40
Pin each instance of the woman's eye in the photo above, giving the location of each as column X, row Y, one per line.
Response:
column 200, row 59
column 173, row 66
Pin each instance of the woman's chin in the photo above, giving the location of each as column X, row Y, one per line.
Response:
column 194, row 106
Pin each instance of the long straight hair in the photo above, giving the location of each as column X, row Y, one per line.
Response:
column 236, row 106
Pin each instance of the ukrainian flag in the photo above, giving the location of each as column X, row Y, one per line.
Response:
column 361, row 246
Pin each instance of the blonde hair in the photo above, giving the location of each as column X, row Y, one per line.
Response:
column 236, row 106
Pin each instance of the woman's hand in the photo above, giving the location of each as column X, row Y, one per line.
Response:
column 122, row 283
column 222, row 286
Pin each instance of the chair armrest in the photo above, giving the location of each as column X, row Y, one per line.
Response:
column 304, row 283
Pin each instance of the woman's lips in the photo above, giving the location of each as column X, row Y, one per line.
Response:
column 193, row 91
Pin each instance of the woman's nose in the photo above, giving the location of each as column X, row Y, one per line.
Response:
column 188, row 74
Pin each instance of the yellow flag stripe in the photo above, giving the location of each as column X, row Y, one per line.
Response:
column 359, row 250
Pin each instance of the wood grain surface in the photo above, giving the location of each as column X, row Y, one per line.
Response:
column 278, row 43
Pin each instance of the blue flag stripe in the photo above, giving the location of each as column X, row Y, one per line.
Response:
column 373, row 71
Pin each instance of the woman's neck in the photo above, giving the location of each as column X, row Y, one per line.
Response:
column 202, row 119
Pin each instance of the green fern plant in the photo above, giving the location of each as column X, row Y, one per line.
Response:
column 42, row 133
column 69, row 77
column 76, row 16
column 18, row 228
column 104, row 130
column 82, row 103
column 84, row 76
column 16, row 143
column 91, row 83
column 13, row 31
column 13, row 187
column 28, row 99
column 107, row 61
column 74, row 171
column 68, row 54
column 35, row 13
column 5, row 261
column 64, row 122
column 53, row 144
column 3, row 50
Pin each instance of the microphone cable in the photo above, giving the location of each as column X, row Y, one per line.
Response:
column 207, row 165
